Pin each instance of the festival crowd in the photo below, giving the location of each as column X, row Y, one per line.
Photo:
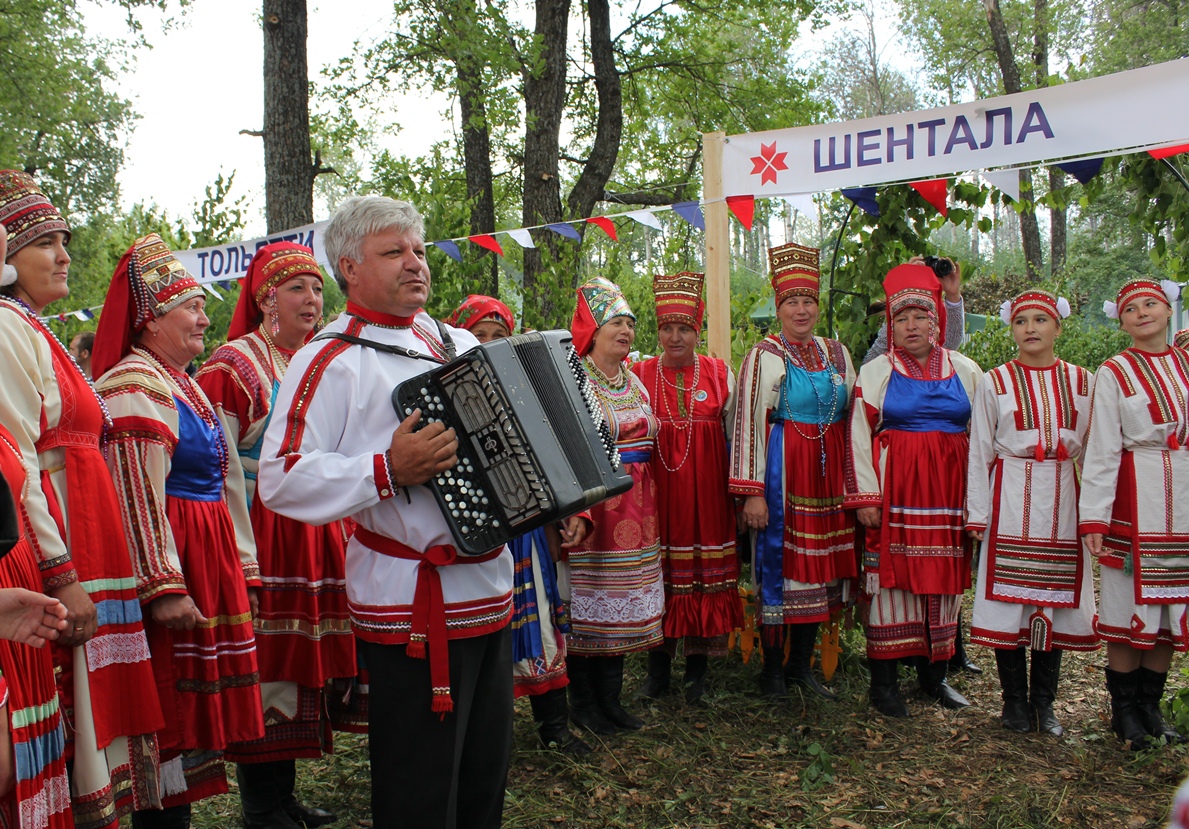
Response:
column 216, row 584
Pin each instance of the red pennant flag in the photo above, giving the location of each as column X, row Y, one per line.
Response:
column 606, row 224
column 933, row 191
column 486, row 240
column 744, row 208
column 1165, row 152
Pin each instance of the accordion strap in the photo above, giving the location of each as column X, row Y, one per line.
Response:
column 398, row 350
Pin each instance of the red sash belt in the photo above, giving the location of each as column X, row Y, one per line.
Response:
column 428, row 627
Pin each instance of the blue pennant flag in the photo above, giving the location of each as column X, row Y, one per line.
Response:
column 864, row 197
column 88, row 313
column 564, row 229
column 225, row 284
column 691, row 211
column 449, row 248
column 1083, row 170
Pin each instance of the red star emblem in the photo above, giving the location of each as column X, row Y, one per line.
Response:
column 768, row 162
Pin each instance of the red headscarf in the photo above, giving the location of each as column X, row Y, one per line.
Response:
column 914, row 286
column 476, row 308
column 149, row 282
column 271, row 267
column 599, row 302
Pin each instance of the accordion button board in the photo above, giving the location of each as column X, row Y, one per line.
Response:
column 534, row 446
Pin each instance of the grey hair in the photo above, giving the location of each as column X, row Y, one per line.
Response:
column 360, row 216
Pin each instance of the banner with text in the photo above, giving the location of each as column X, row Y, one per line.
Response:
column 231, row 261
column 1136, row 109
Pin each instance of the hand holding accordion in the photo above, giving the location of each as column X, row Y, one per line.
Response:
column 422, row 451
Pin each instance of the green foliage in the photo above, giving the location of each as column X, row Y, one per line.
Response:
column 1081, row 344
column 1178, row 705
column 820, row 771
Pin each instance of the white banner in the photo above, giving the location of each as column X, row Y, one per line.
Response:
column 231, row 261
column 1135, row 109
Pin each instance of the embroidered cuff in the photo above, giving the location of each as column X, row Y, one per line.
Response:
column 164, row 585
column 382, row 470
column 744, row 489
column 252, row 575
column 978, row 528
column 862, row 499
column 1087, row 527
column 50, row 583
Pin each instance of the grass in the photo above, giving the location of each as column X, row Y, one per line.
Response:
column 743, row 762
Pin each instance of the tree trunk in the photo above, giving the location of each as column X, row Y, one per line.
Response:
column 476, row 149
column 544, row 100
column 1057, row 225
column 288, row 171
column 1029, row 229
column 1040, row 59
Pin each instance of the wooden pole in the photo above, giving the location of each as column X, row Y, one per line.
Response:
column 718, row 251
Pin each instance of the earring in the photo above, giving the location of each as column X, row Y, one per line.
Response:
column 274, row 318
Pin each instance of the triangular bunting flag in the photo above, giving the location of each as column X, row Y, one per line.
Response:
column 744, row 208
column 522, row 237
column 1165, row 152
column 1083, row 170
column 486, row 240
column 225, row 284
column 864, row 197
column 691, row 211
column 449, row 248
column 81, row 316
column 210, row 289
column 606, row 224
column 802, row 202
column 88, row 313
column 646, row 218
column 565, row 229
column 1006, row 182
column 933, row 191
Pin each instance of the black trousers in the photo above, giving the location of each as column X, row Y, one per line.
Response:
column 435, row 772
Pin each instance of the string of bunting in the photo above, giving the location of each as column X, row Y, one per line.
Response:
column 934, row 191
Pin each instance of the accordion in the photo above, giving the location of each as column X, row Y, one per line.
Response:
column 533, row 444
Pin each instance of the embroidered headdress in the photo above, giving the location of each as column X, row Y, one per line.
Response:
column 795, row 271
column 476, row 308
column 26, row 214
column 1165, row 291
column 149, row 282
column 679, row 299
column 599, row 301
column 1181, row 338
column 913, row 286
column 1057, row 307
column 272, row 266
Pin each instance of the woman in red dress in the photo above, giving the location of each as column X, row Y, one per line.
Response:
column 303, row 631
column 691, row 395
column 170, row 461
column 61, row 427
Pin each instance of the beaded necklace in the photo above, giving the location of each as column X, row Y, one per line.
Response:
column 836, row 380
column 198, row 403
column 280, row 363
column 619, row 391
column 679, row 388
column 36, row 322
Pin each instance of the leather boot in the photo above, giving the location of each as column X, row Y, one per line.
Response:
column 797, row 671
column 311, row 817
column 696, row 667
column 885, row 687
column 1046, row 671
column 932, row 679
column 263, row 790
column 1013, row 680
column 1125, row 721
column 660, row 672
column 584, row 708
column 772, row 683
column 960, row 661
column 552, row 716
column 171, row 817
column 1151, row 691
column 608, row 687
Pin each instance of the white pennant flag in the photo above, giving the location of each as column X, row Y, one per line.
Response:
column 802, row 202
column 210, row 289
column 522, row 237
column 1007, row 181
column 645, row 217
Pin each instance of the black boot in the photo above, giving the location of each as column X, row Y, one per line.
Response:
column 885, row 687
column 1046, row 671
column 772, row 683
column 797, row 671
column 310, row 817
column 1151, row 691
column 171, row 817
column 584, row 708
column 660, row 672
column 1125, row 721
column 932, row 679
column 552, row 716
column 608, row 687
column 263, row 790
column 960, row 661
column 695, row 678
column 1013, row 679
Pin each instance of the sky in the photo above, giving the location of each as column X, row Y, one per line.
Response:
column 202, row 83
